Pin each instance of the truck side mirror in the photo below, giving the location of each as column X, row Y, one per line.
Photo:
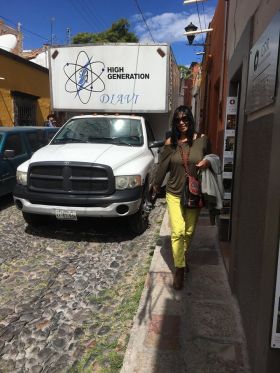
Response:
column 156, row 144
column 8, row 154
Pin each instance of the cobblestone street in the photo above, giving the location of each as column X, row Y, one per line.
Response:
column 64, row 289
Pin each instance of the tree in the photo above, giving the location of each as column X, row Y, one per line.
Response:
column 119, row 32
column 185, row 72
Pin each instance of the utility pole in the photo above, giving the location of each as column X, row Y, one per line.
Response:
column 68, row 35
column 52, row 35
column 19, row 38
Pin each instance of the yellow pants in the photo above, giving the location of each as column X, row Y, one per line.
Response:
column 183, row 222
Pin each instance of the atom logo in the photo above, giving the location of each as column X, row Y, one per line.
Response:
column 84, row 77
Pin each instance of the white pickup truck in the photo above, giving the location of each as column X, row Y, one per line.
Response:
column 101, row 164
column 95, row 166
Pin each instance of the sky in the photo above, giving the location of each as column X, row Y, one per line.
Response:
column 159, row 20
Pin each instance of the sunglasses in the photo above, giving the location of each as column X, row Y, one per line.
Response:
column 184, row 119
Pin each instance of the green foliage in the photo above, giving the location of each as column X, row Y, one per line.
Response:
column 119, row 32
column 185, row 72
column 82, row 38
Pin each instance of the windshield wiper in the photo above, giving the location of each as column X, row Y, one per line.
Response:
column 118, row 141
column 107, row 140
column 68, row 140
column 104, row 140
column 100, row 139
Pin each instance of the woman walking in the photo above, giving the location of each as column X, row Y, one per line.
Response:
column 184, row 144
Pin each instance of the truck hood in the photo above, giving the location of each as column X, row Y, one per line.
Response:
column 111, row 155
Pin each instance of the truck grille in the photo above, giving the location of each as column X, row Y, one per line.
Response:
column 71, row 178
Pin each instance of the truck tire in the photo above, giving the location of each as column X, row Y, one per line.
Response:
column 139, row 221
column 34, row 220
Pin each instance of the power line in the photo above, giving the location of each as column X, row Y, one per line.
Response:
column 78, row 9
column 99, row 19
column 204, row 15
column 89, row 14
column 138, row 7
column 24, row 28
column 199, row 19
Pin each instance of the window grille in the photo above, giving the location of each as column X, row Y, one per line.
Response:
column 24, row 109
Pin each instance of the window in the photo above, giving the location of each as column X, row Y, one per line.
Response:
column 118, row 131
column 33, row 141
column 149, row 133
column 13, row 142
column 50, row 134
column 37, row 140
column 25, row 109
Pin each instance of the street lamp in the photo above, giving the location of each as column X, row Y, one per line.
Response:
column 191, row 31
column 190, row 28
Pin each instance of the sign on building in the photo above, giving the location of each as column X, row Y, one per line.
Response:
column 111, row 77
column 263, row 68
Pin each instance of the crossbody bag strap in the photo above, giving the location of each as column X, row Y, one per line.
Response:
column 185, row 158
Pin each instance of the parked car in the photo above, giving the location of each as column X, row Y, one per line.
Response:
column 17, row 144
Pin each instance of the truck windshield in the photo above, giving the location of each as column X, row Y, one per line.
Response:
column 118, row 131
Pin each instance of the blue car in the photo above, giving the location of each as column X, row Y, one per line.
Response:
column 17, row 144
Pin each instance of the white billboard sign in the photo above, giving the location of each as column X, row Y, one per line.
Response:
column 110, row 77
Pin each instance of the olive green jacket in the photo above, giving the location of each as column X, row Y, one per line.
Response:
column 171, row 161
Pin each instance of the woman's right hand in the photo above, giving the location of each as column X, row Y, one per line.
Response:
column 153, row 191
column 156, row 189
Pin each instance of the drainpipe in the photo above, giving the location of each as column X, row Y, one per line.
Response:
column 224, row 51
column 224, row 55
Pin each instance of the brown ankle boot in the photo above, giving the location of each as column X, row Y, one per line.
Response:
column 178, row 280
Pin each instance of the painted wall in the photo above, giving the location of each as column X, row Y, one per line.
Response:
column 240, row 14
column 25, row 77
column 188, row 85
column 255, row 212
column 212, row 99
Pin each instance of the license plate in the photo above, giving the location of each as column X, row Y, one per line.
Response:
column 65, row 215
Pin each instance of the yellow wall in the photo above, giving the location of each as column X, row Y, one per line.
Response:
column 23, row 77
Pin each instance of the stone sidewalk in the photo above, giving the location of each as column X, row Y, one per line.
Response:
column 196, row 330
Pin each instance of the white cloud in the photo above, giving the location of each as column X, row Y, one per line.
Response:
column 169, row 27
column 138, row 17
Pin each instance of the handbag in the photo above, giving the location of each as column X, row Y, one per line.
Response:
column 191, row 196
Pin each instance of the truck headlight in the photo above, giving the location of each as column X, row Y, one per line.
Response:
column 128, row 182
column 22, row 177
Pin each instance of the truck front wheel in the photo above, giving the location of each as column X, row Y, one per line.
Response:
column 138, row 222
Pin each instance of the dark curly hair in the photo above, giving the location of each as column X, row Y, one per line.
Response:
column 184, row 111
